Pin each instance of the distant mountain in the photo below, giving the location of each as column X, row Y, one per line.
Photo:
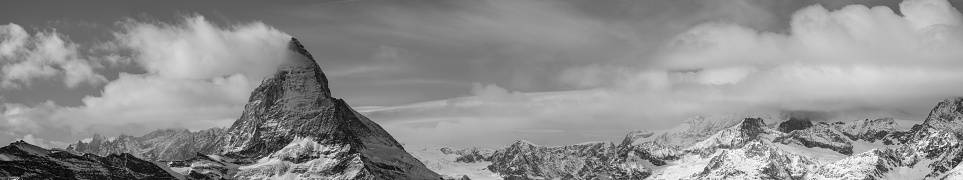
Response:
column 741, row 146
column 160, row 145
column 20, row 160
column 470, row 163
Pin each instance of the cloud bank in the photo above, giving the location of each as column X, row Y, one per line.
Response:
column 854, row 62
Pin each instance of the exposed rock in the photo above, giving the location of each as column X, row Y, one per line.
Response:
column 525, row 160
column 869, row 130
column 947, row 116
column 471, row 155
column 731, row 138
column 160, row 145
column 822, row 135
column 794, row 124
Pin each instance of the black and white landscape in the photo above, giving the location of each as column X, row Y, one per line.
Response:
column 482, row 89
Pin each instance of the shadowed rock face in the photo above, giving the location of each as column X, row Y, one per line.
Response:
column 794, row 124
column 292, row 117
column 27, row 161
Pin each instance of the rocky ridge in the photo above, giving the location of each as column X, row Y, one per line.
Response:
column 159, row 145
column 23, row 160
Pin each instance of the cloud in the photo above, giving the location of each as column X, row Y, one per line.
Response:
column 855, row 57
column 854, row 62
column 25, row 119
column 196, row 48
column 198, row 75
column 29, row 138
column 44, row 55
column 493, row 93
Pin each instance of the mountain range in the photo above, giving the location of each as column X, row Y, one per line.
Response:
column 742, row 146
column 292, row 128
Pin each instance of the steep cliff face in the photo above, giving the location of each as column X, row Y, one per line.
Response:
column 292, row 127
column 22, row 160
column 946, row 116
column 160, row 145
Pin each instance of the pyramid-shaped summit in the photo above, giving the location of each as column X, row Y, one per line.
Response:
column 291, row 127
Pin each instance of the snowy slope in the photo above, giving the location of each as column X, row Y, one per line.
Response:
column 449, row 162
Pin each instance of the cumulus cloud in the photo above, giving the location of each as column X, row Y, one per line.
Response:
column 198, row 75
column 44, row 55
column 855, row 57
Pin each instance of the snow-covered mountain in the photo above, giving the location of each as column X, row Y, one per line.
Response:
column 469, row 163
column 293, row 128
column 750, row 146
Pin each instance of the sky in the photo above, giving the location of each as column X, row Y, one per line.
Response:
column 552, row 72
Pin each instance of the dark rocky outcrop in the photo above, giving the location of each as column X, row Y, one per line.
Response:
column 23, row 160
column 794, row 124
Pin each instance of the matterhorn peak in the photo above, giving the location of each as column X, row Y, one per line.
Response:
column 293, row 120
column 300, row 72
column 295, row 45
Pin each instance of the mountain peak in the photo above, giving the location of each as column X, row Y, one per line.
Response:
column 292, row 117
column 947, row 115
column 298, row 75
column 295, row 45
